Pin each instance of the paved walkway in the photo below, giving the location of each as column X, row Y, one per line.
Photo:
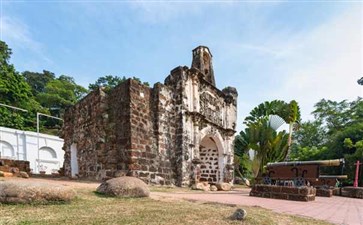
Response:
column 338, row 210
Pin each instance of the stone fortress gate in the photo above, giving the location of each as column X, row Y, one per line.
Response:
column 179, row 132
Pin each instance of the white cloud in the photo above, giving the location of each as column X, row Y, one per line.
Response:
column 17, row 35
column 326, row 64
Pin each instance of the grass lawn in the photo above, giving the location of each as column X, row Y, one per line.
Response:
column 90, row 208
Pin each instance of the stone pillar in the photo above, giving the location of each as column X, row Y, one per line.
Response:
column 195, row 94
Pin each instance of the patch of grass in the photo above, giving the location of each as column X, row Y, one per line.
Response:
column 90, row 208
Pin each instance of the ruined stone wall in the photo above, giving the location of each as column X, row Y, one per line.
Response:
column 129, row 131
column 156, row 133
column 117, row 128
column 84, row 124
column 148, row 159
column 176, row 82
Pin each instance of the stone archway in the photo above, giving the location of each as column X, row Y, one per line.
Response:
column 210, row 137
column 209, row 157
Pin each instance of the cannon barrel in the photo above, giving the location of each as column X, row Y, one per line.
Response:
column 333, row 162
column 334, row 176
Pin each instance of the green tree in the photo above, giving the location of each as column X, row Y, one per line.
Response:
column 334, row 115
column 269, row 145
column 16, row 92
column 108, row 82
column 337, row 132
column 289, row 112
column 38, row 81
column 60, row 94
column 242, row 162
column 263, row 110
column 309, row 141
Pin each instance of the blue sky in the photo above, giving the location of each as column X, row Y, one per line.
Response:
column 267, row 50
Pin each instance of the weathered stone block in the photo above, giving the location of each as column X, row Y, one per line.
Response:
column 290, row 190
column 352, row 192
column 279, row 195
column 324, row 192
column 288, row 193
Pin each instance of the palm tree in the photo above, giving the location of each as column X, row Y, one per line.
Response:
column 269, row 145
column 291, row 115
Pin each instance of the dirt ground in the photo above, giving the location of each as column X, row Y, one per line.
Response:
column 59, row 181
column 338, row 210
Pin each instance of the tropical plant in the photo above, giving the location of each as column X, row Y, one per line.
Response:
column 268, row 144
column 291, row 114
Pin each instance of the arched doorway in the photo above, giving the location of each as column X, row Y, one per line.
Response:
column 48, row 161
column 209, row 156
column 6, row 150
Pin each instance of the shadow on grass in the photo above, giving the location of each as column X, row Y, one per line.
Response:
column 102, row 195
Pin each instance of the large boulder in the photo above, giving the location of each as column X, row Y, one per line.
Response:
column 124, row 187
column 204, row 186
column 224, row 186
column 14, row 192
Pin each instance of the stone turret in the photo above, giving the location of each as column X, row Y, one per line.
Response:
column 202, row 60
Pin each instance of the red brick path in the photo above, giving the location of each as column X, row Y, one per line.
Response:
column 338, row 210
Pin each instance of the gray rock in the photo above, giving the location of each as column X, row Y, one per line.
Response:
column 213, row 188
column 224, row 186
column 23, row 174
column 124, row 187
column 204, row 186
column 239, row 214
column 158, row 180
column 14, row 192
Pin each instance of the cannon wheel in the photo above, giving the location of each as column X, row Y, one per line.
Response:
column 299, row 181
column 267, row 180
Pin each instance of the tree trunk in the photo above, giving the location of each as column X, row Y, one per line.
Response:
column 287, row 158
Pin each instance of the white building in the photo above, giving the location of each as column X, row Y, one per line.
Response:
column 44, row 152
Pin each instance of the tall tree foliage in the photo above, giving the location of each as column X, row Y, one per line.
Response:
column 326, row 137
column 34, row 92
column 108, row 82
column 16, row 92
column 60, row 93
column 38, row 81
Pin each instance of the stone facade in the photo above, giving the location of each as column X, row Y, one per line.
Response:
column 180, row 132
